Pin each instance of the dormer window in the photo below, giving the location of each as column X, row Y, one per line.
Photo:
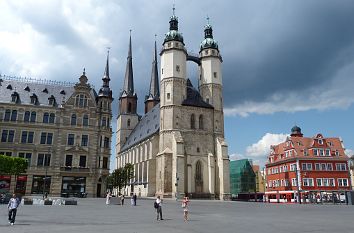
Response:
column 34, row 99
column 320, row 141
column 81, row 101
column 15, row 97
column 51, row 100
column 27, row 89
column 62, row 92
column 45, row 90
column 9, row 87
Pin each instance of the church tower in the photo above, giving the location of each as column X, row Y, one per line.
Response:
column 153, row 97
column 173, row 92
column 210, row 84
column 104, row 101
column 128, row 117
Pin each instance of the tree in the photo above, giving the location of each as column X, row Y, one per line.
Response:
column 12, row 165
column 120, row 177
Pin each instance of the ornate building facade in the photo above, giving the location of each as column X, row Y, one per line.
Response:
column 63, row 130
column 178, row 145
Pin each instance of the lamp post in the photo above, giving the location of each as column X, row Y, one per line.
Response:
column 297, row 181
column 45, row 176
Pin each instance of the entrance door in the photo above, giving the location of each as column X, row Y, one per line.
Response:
column 98, row 194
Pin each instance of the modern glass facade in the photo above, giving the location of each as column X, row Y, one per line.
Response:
column 242, row 177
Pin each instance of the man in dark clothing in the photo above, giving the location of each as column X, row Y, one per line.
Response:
column 12, row 206
column 134, row 198
column 159, row 208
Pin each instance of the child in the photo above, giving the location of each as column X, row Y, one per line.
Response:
column 185, row 203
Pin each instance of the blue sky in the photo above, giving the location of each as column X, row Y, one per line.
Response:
column 285, row 62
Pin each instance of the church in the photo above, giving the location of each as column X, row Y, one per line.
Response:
column 177, row 147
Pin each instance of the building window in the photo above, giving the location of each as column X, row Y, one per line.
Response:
column 27, row 156
column 73, row 119
column 321, row 152
column 46, row 117
column 128, row 122
column 46, row 138
column 342, row 182
column 27, row 137
column 7, row 135
column 215, row 75
column 341, row 167
column 129, row 107
column 51, row 118
column 308, row 181
column 106, row 142
column 7, row 153
column 14, row 115
column 168, row 96
column 104, row 122
column 323, row 167
column 85, row 120
column 105, row 163
column 305, row 152
column 319, row 182
column 293, row 167
column 315, row 152
column 81, row 101
column 27, row 116
column 43, row 160
column 320, row 141
column 317, row 166
column 71, row 139
column 51, row 100
column 192, row 121
column 177, row 68
column 33, row 116
column 201, row 124
column 7, row 115
column 337, row 153
column 328, row 152
column 68, row 160
column 293, row 182
column 82, row 162
column 329, row 167
column 84, row 140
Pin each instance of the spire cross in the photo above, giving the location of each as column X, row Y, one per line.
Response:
column 108, row 48
column 173, row 9
column 130, row 32
column 84, row 71
column 208, row 19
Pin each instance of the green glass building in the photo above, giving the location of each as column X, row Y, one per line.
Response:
column 242, row 179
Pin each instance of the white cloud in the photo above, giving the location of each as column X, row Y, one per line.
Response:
column 262, row 147
column 349, row 152
column 236, row 156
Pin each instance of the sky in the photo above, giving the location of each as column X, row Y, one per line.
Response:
column 284, row 62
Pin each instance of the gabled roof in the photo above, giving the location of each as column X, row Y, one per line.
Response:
column 147, row 126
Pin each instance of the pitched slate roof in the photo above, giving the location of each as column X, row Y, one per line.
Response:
column 147, row 126
column 194, row 98
column 25, row 90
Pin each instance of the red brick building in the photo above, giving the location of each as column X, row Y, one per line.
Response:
column 316, row 168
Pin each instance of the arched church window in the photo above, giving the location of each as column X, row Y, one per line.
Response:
column 201, row 124
column 129, row 107
column 198, row 171
column 192, row 121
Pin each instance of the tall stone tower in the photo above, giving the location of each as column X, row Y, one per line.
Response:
column 128, row 117
column 173, row 92
column 210, row 83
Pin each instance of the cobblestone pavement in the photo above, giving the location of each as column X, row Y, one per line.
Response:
column 93, row 215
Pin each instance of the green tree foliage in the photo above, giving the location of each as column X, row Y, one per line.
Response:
column 12, row 165
column 120, row 177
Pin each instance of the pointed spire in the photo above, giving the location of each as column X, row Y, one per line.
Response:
column 154, row 82
column 128, row 88
column 105, row 90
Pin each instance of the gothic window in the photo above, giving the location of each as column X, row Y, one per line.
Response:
column 85, row 120
column 104, row 121
column 73, row 119
column 177, row 68
column 129, row 107
column 198, row 171
column 128, row 122
column 201, row 124
column 192, row 121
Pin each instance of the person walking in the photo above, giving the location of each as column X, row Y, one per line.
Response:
column 12, row 206
column 108, row 198
column 134, row 198
column 185, row 204
column 122, row 199
column 158, row 208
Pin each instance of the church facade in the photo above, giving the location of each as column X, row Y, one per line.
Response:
column 178, row 145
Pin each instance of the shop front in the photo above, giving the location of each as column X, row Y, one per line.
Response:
column 73, row 186
column 21, row 185
column 41, row 184
column 5, row 182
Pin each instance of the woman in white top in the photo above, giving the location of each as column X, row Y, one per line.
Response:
column 185, row 204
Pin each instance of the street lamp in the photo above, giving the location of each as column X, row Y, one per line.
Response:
column 45, row 176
